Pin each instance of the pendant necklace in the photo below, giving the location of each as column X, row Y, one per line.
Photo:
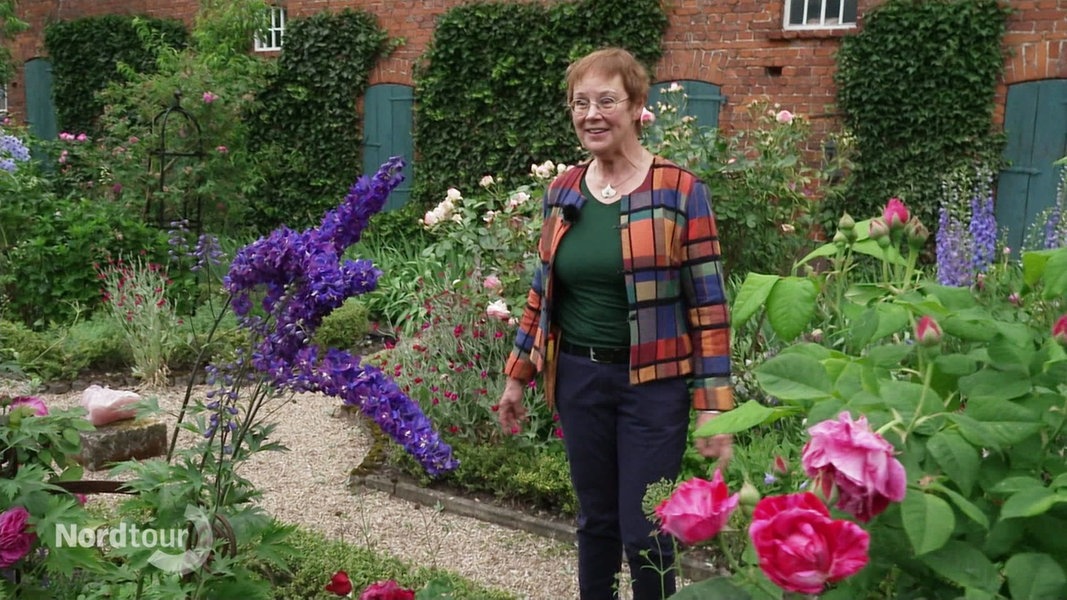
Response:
column 607, row 192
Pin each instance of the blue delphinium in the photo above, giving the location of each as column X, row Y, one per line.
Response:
column 967, row 228
column 1055, row 229
column 11, row 150
column 298, row 278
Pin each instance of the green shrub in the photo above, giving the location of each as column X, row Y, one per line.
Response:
column 345, row 327
column 316, row 560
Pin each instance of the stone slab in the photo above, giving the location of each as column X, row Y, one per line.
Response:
column 123, row 440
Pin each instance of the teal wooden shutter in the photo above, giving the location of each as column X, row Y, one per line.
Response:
column 40, row 112
column 703, row 99
column 387, row 126
column 1035, row 122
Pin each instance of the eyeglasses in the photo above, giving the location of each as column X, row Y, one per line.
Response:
column 606, row 105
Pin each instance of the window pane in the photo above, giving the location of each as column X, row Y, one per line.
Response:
column 850, row 11
column 796, row 12
column 814, row 12
column 833, row 12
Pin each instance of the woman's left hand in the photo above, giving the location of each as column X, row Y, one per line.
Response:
column 717, row 446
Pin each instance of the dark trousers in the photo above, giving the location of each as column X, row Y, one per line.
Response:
column 620, row 438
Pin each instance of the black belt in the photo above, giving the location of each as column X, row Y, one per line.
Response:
column 616, row 355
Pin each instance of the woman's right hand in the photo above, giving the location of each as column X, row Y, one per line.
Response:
column 510, row 410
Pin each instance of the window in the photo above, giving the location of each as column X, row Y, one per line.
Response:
column 271, row 38
column 820, row 14
column 3, row 100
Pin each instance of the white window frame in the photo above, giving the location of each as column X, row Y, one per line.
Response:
column 275, row 32
column 3, row 100
column 823, row 21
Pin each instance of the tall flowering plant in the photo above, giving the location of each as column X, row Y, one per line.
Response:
column 968, row 393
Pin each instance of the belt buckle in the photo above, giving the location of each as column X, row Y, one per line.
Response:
column 592, row 356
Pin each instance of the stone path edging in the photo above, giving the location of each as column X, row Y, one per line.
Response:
column 694, row 569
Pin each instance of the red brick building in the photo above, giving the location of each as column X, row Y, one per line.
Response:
column 746, row 49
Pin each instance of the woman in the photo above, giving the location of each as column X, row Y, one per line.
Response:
column 627, row 320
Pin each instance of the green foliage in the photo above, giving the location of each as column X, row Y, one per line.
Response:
column 916, row 87
column 491, row 92
column 976, row 412
column 48, row 268
column 307, row 122
column 316, row 560
column 86, row 54
column 10, row 26
column 764, row 187
column 345, row 327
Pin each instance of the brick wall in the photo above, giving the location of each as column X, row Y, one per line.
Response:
column 737, row 44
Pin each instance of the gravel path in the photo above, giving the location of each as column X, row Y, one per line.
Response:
column 308, row 486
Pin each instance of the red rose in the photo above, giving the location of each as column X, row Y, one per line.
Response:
column 340, row 584
column 801, row 548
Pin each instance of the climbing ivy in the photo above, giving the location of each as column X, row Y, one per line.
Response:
column 87, row 54
column 491, row 88
column 917, row 88
column 308, row 120
column 10, row 26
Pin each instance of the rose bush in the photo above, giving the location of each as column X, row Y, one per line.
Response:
column 968, row 385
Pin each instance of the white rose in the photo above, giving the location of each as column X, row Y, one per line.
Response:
column 498, row 309
column 486, row 181
column 453, row 195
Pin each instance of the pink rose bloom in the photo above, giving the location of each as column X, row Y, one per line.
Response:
column 859, row 462
column 784, row 117
column 697, row 510
column 209, row 97
column 492, row 283
column 647, row 117
column 1059, row 330
column 387, row 590
column 38, row 406
column 15, row 541
column 498, row 309
column 800, row 548
column 81, row 137
column 895, row 213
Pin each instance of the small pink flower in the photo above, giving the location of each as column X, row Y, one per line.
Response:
column 847, row 455
column 37, row 404
column 1059, row 330
column 134, row 139
column 800, row 548
column 66, row 137
column 927, row 331
column 498, row 309
column 15, row 540
column 697, row 510
column 784, row 117
column 222, row 149
column 492, row 283
column 647, row 117
column 895, row 213
column 81, row 137
column 340, row 584
column 209, row 97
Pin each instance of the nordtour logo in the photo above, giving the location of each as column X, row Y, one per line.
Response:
column 175, row 550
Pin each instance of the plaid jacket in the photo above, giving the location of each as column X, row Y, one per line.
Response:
column 679, row 324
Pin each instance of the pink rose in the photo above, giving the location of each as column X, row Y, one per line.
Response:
column 927, row 331
column 895, row 213
column 387, row 590
column 647, row 117
column 15, row 541
column 38, row 406
column 859, row 462
column 498, row 310
column 800, row 548
column 492, row 283
column 784, row 117
column 1059, row 330
column 697, row 510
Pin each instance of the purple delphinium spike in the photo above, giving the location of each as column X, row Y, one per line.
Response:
column 983, row 224
column 301, row 279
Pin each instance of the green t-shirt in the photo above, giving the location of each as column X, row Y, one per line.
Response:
column 590, row 305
